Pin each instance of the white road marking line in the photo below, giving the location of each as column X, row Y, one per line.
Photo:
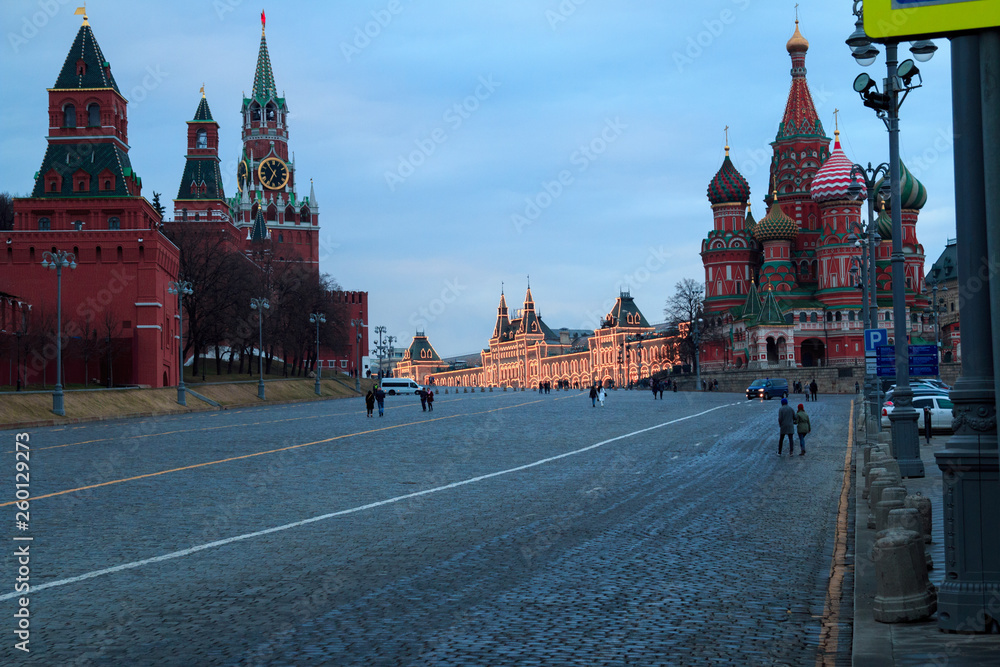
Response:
column 352, row 510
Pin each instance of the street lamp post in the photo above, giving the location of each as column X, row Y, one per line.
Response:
column 392, row 350
column 868, row 240
column 696, row 339
column 57, row 260
column 358, row 323
column 318, row 319
column 380, row 348
column 905, row 438
column 260, row 305
column 937, row 322
column 180, row 288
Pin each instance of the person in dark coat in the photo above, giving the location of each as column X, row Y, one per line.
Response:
column 655, row 387
column 423, row 399
column 430, row 401
column 927, row 423
column 813, row 388
column 370, row 402
column 803, row 427
column 593, row 395
column 786, row 425
column 380, row 399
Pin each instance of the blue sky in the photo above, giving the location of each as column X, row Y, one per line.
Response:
column 458, row 145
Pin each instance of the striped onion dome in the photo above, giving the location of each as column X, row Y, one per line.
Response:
column 834, row 177
column 884, row 225
column 775, row 226
column 728, row 186
column 912, row 192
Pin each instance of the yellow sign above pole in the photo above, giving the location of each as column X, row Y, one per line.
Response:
column 909, row 19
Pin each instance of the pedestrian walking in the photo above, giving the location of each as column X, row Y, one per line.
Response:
column 593, row 395
column 857, row 388
column 674, row 386
column 380, row 399
column 660, row 387
column 430, row 401
column 813, row 388
column 927, row 423
column 803, row 427
column 601, row 395
column 656, row 388
column 786, row 426
column 370, row 402
column 716, row 384
column 423, row 399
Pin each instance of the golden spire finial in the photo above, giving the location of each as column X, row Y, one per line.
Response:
column 202, row 90
column 796, row 13
column 836, row 123
column 83, row 11
column 726, row 130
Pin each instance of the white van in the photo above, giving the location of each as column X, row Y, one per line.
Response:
column 393, row 386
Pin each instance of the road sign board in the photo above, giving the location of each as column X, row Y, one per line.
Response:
column 923, row 360
column 871, row 368
column 928, row 369
column 923, row 349
column 875, row 337
column 906, row 19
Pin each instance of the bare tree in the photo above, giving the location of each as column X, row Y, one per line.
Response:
column 686, row 303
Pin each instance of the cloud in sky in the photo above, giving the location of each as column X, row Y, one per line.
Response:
column 457, row 145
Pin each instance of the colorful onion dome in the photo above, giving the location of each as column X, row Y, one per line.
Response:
column 834, row 177
column 912, row 193
column 884, row 224
column 797, row 42
column 750, row 222
column 776, row 226
column 728, row 186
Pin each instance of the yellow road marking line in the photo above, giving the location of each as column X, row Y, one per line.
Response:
column 270, row 451
column 830, row 632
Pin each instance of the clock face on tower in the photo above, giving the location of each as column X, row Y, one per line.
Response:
column 242, row 174
column 273, row 173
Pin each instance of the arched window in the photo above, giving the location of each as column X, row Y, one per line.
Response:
column 97, row 254
column 813, row 318
column 281, row 238
column 107, row 184
column 114, row 222
column 93, row 115
column 802, row 317
column 272, row 111
column 829, row 317
column 44, row 224
column 839, row 316
column 202, row 141
column 69, row 116
column 850, row 316
column 255, row 112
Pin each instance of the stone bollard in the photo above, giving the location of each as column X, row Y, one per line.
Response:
column 904, row 591
column 505, row 387
column 491, row 390
column 522, row 388
column 907, row 518
column 482, row 390
column 873, row 474
column 892, row 499
column 922, row 504
column 884, row 481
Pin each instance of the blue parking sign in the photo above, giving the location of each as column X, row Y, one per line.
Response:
column 874, row 338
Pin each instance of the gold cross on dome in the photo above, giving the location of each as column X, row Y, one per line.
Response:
column 836, row 124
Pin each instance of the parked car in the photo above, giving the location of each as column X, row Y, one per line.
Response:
column 940, row 406
column 768, row 388
column 918, row 390
column 393, row 386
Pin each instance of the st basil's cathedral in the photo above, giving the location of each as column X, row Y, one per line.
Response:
column 780, row 292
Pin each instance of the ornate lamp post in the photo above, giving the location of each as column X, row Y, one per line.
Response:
column 936, row 309
column 57, row 260
column 358, row 323
column 886, row 105
column 868, row 240
column 391, row 350
column 696, row 339
column 180, row 288
column 380, row 348
column 318, row 319
column 260, row 305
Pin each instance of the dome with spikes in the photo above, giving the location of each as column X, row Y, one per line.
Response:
column 776, row 226
column 912, row 193
column 750, row 221
column 797, row 41
column 834, row 177
column 728, row 186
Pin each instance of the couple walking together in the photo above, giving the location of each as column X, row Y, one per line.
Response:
column 597, row 394
column 790, row 421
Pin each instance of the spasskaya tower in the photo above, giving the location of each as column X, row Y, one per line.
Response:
column 267, row 204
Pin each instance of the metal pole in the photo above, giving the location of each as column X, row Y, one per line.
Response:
column 260, row 355
column 937, row 330
column 697, row 359
column 969, row 463
column 181, row 396
column 319, row 367
column 57, row 397
column 905, row 439
column 18, row 361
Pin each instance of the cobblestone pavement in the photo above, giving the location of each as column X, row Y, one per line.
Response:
column 692, row 543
